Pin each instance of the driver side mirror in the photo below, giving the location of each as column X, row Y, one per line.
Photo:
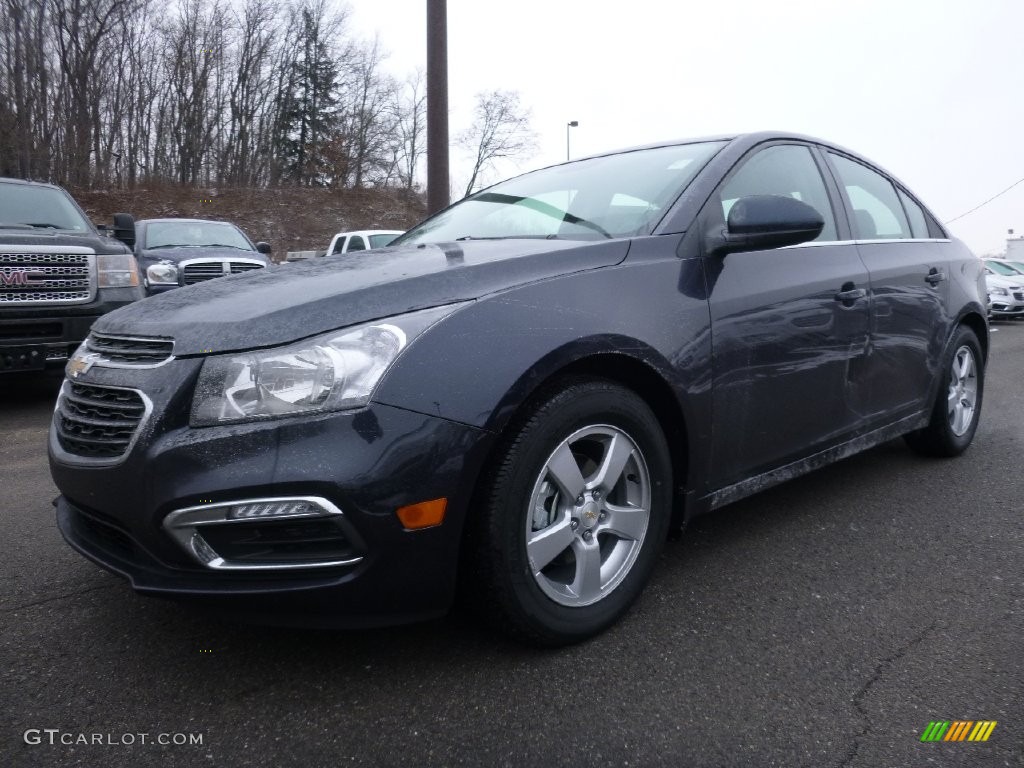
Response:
column 760, row 222
column 124, row 229
column 264, row 248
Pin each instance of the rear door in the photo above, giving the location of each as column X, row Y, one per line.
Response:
column 909, row 275
column 789, row 325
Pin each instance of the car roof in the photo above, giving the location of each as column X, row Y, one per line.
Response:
column 182, row 221
column 26, row 182
column 371, row 232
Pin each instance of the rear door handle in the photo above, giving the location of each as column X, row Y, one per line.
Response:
column 935, row 277
column 850, row 295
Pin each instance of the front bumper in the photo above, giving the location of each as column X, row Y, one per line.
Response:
column 32, row 337
column 367, row 463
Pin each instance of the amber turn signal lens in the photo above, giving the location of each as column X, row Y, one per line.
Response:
column 423, row 515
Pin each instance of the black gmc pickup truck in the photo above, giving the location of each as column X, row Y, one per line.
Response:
column 57, row 274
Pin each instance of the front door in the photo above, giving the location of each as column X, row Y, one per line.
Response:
column 789, row 327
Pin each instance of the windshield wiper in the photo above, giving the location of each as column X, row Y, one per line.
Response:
column 224, row 245
column 15, row 225
column 541, row 207
column 44, row 225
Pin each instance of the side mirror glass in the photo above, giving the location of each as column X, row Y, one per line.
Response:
column 264, row 248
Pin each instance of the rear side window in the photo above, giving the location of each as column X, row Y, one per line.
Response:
column 877, row 211
column 787, row 170
column 918, row 222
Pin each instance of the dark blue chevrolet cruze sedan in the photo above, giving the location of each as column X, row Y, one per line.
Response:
column 521, row 398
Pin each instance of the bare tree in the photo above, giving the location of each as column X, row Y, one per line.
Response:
column 410, row 109
column 500, row 131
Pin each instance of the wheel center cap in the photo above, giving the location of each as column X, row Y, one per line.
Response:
column 589, row 514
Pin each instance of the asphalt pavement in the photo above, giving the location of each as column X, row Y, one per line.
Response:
column 825, row 622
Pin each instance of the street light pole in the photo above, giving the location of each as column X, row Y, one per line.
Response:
column 569, row 125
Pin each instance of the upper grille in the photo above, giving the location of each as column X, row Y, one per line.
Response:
column 98, row 422
column 130, row 350
column 45, row 278
column 243, row 266
column 198, row 271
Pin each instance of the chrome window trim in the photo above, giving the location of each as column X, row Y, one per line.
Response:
column 73, row 458
column 183, row 525
column 822, row 243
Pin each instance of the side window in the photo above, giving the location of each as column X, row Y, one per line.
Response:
column 787, row 170
column 355, row 243
column 339, row 245
column 877, row 212
column 918, row 223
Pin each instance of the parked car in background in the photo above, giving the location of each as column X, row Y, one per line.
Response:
column 1005, row 289
column 177, row 252
column 364, row 240
column 57, row 274
column 525, row 393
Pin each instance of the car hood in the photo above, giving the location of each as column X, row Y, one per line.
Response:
column 281, row 304
column 1004, row 282
column 186, row 253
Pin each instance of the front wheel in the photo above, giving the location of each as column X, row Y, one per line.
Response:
column 957, row 408
column 577, row 510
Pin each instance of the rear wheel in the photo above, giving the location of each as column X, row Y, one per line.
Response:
column 576, row 512
column 958, row 405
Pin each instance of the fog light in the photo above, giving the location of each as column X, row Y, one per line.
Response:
column 266, row 534
column 425, row 514
column 284, row 508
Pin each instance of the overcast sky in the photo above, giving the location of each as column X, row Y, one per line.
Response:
column 932, row 90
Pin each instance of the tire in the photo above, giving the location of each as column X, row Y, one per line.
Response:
column 954, row 418
column 574, row 514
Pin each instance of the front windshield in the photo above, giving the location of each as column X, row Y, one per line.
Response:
column 25, row 206
column 185, row 234
column 1002, row 269
column 613, row 196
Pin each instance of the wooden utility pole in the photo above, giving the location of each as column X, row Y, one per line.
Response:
column 438, row 193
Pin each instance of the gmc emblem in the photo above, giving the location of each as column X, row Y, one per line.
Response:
column 19, row 278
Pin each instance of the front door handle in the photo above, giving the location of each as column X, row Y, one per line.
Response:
column 849, row 294
column 934, row 277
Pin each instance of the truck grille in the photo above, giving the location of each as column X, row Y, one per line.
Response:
column 28, row 277
column 98, row 422
column 198, row 271
column 130, row 350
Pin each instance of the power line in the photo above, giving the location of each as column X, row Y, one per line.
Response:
column 1018, row 181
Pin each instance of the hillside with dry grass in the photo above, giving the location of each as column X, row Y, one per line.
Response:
column 289, row 218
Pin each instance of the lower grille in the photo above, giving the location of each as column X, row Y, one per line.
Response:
column 279, row 541
column 98, row 422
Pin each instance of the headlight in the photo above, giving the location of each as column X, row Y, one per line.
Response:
column 999, row 291
column 331, row 372
column 117, row 270
column 164, row 273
